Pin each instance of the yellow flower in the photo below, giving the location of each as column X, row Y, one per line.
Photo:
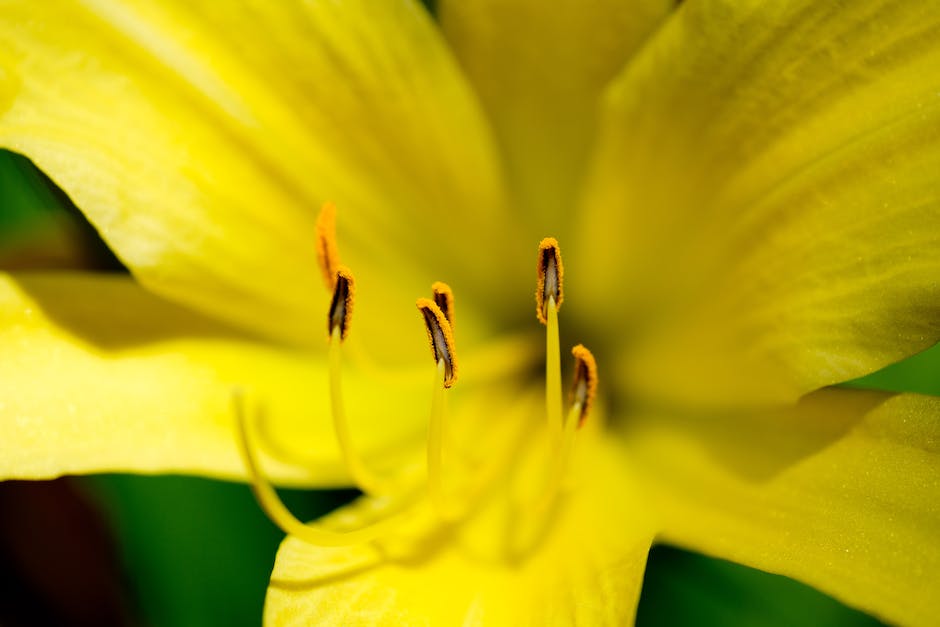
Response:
column 747, row 199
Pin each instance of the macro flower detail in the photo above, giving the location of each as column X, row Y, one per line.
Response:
column 750, row 212
column 495, row 474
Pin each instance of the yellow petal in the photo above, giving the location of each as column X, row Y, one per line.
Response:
column 201, row 137
column 765, row 188
column 539, row 74
column 97, row 375
column 839, row 492
column 587, row 570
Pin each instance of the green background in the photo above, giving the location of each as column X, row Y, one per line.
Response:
column 191, row 551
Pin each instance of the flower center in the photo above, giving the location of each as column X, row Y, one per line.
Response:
column 449, row 502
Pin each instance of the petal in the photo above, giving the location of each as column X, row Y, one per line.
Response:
column 201, row 138
column 540, row 73
column 766, row 189
column 839, row 492
column 587, row 570
column 99, row 375
column 686, row 588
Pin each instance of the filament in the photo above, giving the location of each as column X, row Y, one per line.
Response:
column 560, row 461
column 364, row 479
column 436, row 427
column 450, row 504
column 272, row 505
column 553, row 393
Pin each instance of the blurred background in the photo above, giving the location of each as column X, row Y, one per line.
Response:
column 182, row 551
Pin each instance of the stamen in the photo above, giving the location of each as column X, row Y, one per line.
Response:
column 548, row 296
column 327, row 250
column 553, row 372
column 364, row 479
column 340, row 314
column 450, row 507
column 444, row 298
column 560, row 462
column 584, row 388
column 582, row 397
column 277, row 512
column 550, row 291
column 436, row 426
column 531, row 519
column 342, row 304
column 441, row 337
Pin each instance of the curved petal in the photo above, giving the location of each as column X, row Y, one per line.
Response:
column 839, row 492
column 98, row 375
column 201, row 138
column 766, row 189
column 540, row 71
column 587, row 569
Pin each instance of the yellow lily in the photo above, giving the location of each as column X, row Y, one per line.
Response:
column 746, row 195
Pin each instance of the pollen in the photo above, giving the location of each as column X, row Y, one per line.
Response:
column 441, row 337
column 550, row 278
column 584, row 388
column 342, row 304
column 444, row 298
column 327, row 250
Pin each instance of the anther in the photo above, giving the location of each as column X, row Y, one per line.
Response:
column 549, row 292
column 327, row 250
column 342, row 304
column 584, row 388
column 441, row 337
column 444, row 298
